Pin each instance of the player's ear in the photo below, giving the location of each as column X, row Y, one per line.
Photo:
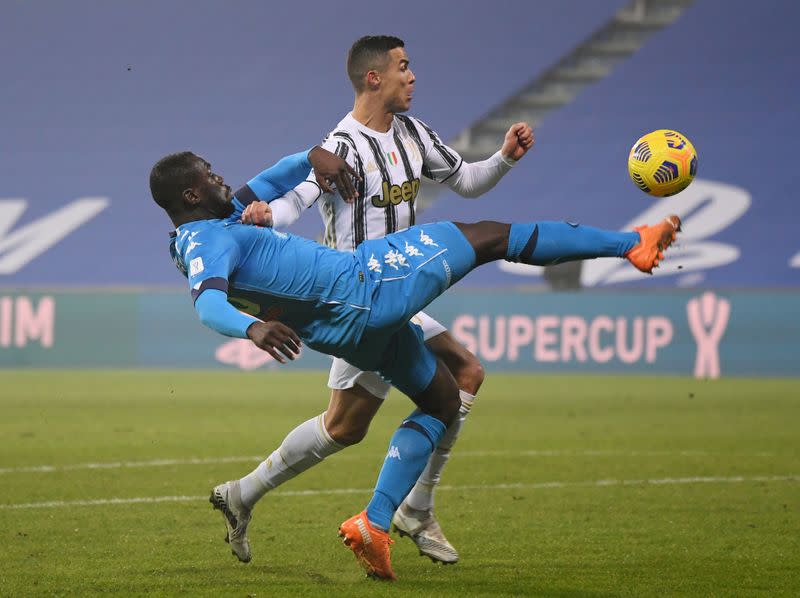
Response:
column 190, row 197
column 373, row 79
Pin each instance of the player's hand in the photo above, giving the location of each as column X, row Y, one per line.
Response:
column 331, row 170
column 258, row 213
column 275, row 338
column 519, row 139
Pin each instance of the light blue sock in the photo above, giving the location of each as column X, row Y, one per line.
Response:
column 409, row 450
column 545, row 243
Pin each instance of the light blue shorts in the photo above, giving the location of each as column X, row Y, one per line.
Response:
column 408, row 270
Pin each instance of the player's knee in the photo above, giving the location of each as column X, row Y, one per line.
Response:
column 470, row 374
column 348, row 433
column 465, row 367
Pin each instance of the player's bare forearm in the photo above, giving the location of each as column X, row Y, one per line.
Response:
column 518, row 140
column 275, row 338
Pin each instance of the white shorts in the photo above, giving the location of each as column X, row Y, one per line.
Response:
column 344, row 376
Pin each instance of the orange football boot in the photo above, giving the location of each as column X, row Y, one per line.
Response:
column 369, row 544
column 654, row 242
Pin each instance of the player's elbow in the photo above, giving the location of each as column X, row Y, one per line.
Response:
column 207, row 319
column 470, row 193
column 207, row 316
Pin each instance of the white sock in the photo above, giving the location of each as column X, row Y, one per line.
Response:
column 305, row 446
column 421, row 495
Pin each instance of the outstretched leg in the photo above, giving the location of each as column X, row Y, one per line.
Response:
column 546, row 243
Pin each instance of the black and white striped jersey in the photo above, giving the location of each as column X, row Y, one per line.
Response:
column 391, row 166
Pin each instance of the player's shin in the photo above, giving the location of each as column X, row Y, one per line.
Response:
column 421, row 495
column 545, row 243
column 305, row 446
column 409, row 451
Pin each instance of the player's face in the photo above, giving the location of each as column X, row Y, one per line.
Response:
column 397, row 82
column 214, row 194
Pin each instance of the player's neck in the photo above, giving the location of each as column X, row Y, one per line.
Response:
column 181, row 218
column 371, row 113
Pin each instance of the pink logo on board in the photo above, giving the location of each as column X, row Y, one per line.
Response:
column 708, row 319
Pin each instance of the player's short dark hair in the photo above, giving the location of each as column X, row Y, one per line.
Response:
column 369, row 53
column 170, row 176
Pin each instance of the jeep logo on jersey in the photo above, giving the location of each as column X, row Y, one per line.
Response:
column 395, row 194
column 21, row 246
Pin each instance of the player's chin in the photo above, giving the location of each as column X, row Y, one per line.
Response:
column 402, row 106
column 227, row 209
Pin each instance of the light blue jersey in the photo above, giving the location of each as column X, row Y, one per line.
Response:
column 351, row 305
column 320, row 293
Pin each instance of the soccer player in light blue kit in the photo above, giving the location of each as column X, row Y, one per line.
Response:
column 357, row 305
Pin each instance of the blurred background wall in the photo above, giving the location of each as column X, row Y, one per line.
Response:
column 93, row 93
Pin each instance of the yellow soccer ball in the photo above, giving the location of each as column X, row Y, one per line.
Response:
column 662, row 163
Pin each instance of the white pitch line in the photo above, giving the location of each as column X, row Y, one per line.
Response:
column 608, row 453
column 520, row 486
column 128, row 464
column 249, row 459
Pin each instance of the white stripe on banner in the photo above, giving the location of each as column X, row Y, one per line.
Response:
column 536, row 486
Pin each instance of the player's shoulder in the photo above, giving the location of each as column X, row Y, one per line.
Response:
column 415, row 127
column 199, row 233
column 346, row 141
column 345, row 129
column 409, row 121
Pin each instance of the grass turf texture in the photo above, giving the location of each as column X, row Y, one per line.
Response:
column 524, row 499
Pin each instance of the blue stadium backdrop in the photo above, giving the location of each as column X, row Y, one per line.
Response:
column 94, row 93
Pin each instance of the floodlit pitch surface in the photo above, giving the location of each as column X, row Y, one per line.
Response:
column 582, row 486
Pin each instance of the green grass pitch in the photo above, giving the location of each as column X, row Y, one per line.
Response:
column 559, row 486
